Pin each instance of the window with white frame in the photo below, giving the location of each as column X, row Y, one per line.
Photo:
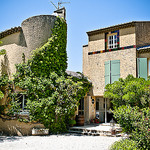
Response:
column 21, row 99
column 112, row 41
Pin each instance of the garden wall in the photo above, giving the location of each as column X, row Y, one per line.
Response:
column 15, row 127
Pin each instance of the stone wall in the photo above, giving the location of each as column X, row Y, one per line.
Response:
column 93, row 65
column 37, row 30
column 98, row 40
column 89, row 108
column 142, row 33
column 13, row 56
column 97, row 69
column 85, row 60
column 15, row 38
column 127, row 37
column 34, row 33
column 14, row 127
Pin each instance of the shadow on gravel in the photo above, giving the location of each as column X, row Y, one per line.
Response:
column 9, row 138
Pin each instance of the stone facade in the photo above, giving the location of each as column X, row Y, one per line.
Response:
column 19, row 42
column 142, row 33
column 85, row 58
column 33, row 33
column 37, row 30
column 96, row 53
column 97, row 69
column 127, row 37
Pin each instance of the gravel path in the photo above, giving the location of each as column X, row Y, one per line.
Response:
column 56, row 142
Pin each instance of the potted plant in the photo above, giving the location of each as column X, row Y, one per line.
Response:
column 72, row 123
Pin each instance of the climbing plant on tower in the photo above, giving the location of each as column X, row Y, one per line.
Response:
column 52, row 96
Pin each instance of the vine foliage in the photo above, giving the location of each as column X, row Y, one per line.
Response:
column 52, row 95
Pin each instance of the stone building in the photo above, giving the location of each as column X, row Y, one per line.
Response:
column 21, row 41
column 113, row 53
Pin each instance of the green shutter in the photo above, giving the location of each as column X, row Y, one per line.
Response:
column 107, row 72
column 142, row 68
column 115, row 70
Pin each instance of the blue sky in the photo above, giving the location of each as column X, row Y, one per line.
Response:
column 82, row 16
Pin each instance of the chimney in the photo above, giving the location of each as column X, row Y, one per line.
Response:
column 61, row 12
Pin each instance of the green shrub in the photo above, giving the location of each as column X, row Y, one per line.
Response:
column 136, row 122
column 72, row 122
column 142, row 130
column 126, row 116
column 129, row 91
column 124, row 144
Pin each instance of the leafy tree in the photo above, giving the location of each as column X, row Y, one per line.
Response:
column 52, row 100
column 141, row 134
column 129, row 91
column 130, row 98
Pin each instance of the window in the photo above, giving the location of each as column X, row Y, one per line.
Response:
column 112, row 71
column 112, row 41
column 142, row 68
column 21, row 99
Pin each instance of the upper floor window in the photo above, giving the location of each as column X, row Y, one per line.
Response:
column 112, row 41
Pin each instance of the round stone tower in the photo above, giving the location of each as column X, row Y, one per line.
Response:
column 37, row 30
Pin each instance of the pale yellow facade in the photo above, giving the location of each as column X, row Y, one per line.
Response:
column 96, row 53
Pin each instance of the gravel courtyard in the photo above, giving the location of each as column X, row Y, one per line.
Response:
column 56, row 142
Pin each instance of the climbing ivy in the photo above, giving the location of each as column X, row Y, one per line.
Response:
column 52, row 95
column 51, row 56
column 2, row 51
column 4, row 82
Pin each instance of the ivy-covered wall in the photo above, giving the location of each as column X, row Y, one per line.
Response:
column 52, row 96
column 52, row 56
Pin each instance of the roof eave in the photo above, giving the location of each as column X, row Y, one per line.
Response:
column 108, row 29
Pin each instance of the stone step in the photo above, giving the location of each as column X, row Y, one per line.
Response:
column 94, row 132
